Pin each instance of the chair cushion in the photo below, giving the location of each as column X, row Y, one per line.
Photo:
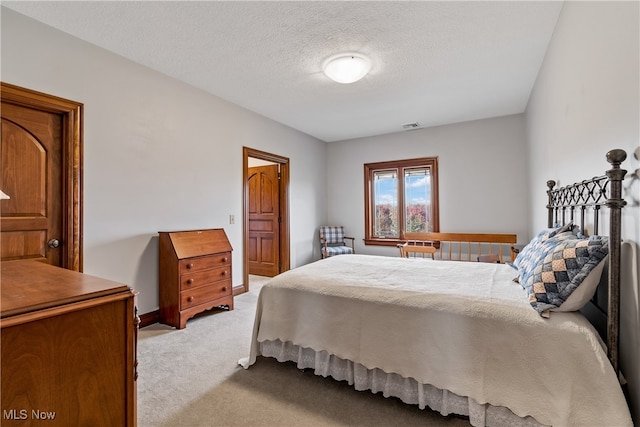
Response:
column 339, row 250
column 333, row 234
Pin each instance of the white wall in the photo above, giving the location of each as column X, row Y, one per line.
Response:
column 586, row 102
column 159, row 155
column 482, row 176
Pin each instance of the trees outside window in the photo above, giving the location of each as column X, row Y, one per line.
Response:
column 401, row 200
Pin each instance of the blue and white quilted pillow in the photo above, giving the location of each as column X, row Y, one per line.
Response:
column 566, row 265
column 535, row 251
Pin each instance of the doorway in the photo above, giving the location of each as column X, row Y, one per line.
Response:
column 41, row 156
column 265, row 214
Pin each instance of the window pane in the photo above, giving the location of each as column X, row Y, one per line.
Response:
column 385, row 198
column 417, row 200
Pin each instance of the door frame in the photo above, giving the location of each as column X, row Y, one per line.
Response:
column 283, row 229
column 72, row 161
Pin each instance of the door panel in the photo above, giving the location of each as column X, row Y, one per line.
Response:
column 24, row 169
column 264, row 213
column 31, row 150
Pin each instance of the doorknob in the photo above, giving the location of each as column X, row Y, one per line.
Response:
column 53, row 243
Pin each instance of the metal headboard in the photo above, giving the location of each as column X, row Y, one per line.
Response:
column 594, row 193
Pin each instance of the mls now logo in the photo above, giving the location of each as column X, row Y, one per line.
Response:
column 23, row 414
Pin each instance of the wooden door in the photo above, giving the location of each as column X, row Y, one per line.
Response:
column 40, row 158
column 264, row 217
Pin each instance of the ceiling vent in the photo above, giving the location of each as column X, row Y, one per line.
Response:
column 409, row 126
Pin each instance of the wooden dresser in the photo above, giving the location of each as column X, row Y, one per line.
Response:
column 195, row 274
column 68, row 348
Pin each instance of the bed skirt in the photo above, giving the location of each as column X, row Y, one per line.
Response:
column 393, row 385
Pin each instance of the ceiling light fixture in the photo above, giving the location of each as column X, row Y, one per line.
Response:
column 346, row 67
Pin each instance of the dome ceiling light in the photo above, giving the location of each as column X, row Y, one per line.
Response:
column 346, row 67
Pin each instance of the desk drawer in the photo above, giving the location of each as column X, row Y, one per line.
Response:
column 195, row 264
column 204, row 294
column 205, row 277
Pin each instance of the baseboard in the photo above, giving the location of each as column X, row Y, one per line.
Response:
column 237, row 290
column 150, row 318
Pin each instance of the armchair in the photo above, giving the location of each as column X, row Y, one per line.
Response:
column 332, row 241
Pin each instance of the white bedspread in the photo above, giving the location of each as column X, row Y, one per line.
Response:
column 460, row 326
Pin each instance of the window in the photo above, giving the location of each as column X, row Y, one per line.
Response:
column 401, row 200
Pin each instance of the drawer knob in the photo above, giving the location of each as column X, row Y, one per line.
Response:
column 224, row 273
column 190, row 299
column 224, row 259
column 189, row 281
column 224, row 289
column 190, row 265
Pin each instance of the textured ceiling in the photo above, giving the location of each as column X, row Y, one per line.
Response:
column 433, row 62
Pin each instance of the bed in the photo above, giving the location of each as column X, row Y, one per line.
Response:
column 464, row 337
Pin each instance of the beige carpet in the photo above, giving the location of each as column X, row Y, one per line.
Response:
column 190, row 377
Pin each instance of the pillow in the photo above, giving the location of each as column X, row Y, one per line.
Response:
column 525, row 252
column 567, row 227
column 535, row 251
column 540, row 237
column 565, row 267
column 583, row 294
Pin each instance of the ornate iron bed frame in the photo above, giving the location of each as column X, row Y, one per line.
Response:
column 603, row 310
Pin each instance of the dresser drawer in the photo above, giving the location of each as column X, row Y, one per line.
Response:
column 204, row 277
column 204, row 294
column 203, row 263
